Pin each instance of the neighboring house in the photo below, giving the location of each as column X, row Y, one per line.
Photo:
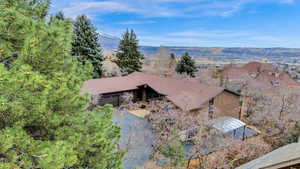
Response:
column 286, row 157
column 186, row 94
column 256, row 73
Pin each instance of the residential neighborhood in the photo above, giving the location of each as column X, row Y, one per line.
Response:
column 194, row 103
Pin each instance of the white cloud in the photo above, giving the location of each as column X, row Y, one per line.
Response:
column 136, row 22
column 163, row 8
column 218, row 38
column 93, row 8
column 147, row 10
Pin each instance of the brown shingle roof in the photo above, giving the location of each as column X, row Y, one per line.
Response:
column 185, row 93
column 265, row 72
column 257, row 66
column 108, row 85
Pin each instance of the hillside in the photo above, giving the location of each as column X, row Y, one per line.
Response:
column 291, row 55
column 232, row 54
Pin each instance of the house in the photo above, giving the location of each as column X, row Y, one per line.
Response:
column 264, row 74
column 286, row 157
column 186, row 94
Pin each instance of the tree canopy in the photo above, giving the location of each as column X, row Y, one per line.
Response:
column 43, row 118
column 86, row 46
column 186, row 65
column 60, row 16
column 129, row 59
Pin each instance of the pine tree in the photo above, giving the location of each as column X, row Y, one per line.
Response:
column 60, row 16
column 129, row 59
column 9, row 56
column 43, row 118
column 86, row 46
column 186, row 65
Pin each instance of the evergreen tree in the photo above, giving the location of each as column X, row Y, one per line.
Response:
column 186, row 65
column 60, row 16
column 174, row 151
column 43, row 118
column 39, row 11
column 86, row 46
column 129, row 59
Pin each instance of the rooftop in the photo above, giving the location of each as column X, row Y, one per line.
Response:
column 227, row 124
column 260, row 72
column 283, row 157
column 187, row 94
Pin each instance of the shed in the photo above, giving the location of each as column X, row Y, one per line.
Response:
column 230, row 125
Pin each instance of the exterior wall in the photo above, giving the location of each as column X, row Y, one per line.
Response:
column 116, row 98
column 110, row 98
column 227, row 104
column 150, row 93
column 201, row 113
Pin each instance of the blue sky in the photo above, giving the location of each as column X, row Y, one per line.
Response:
column 203, row 23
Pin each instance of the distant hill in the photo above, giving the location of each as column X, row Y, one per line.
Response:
column 110, row 43
column 232, row 54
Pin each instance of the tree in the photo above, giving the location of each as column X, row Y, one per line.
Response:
column 129, row 59
column 7, row 57
column 60, row 16
column 186, row 65
column 86, row 46
column 43, row 118
column 172, row 64
column 175, row 153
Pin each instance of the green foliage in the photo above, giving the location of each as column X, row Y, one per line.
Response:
column 175, row 152
column 186, row 65
column 12, row 39
column 43, row 118
column 58, row 16
column 129, row 59
column 293, row 135
column 86, row 46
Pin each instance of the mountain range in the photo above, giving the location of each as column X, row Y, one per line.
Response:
column 287, row 55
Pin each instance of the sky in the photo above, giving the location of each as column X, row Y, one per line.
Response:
column 197, row 23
